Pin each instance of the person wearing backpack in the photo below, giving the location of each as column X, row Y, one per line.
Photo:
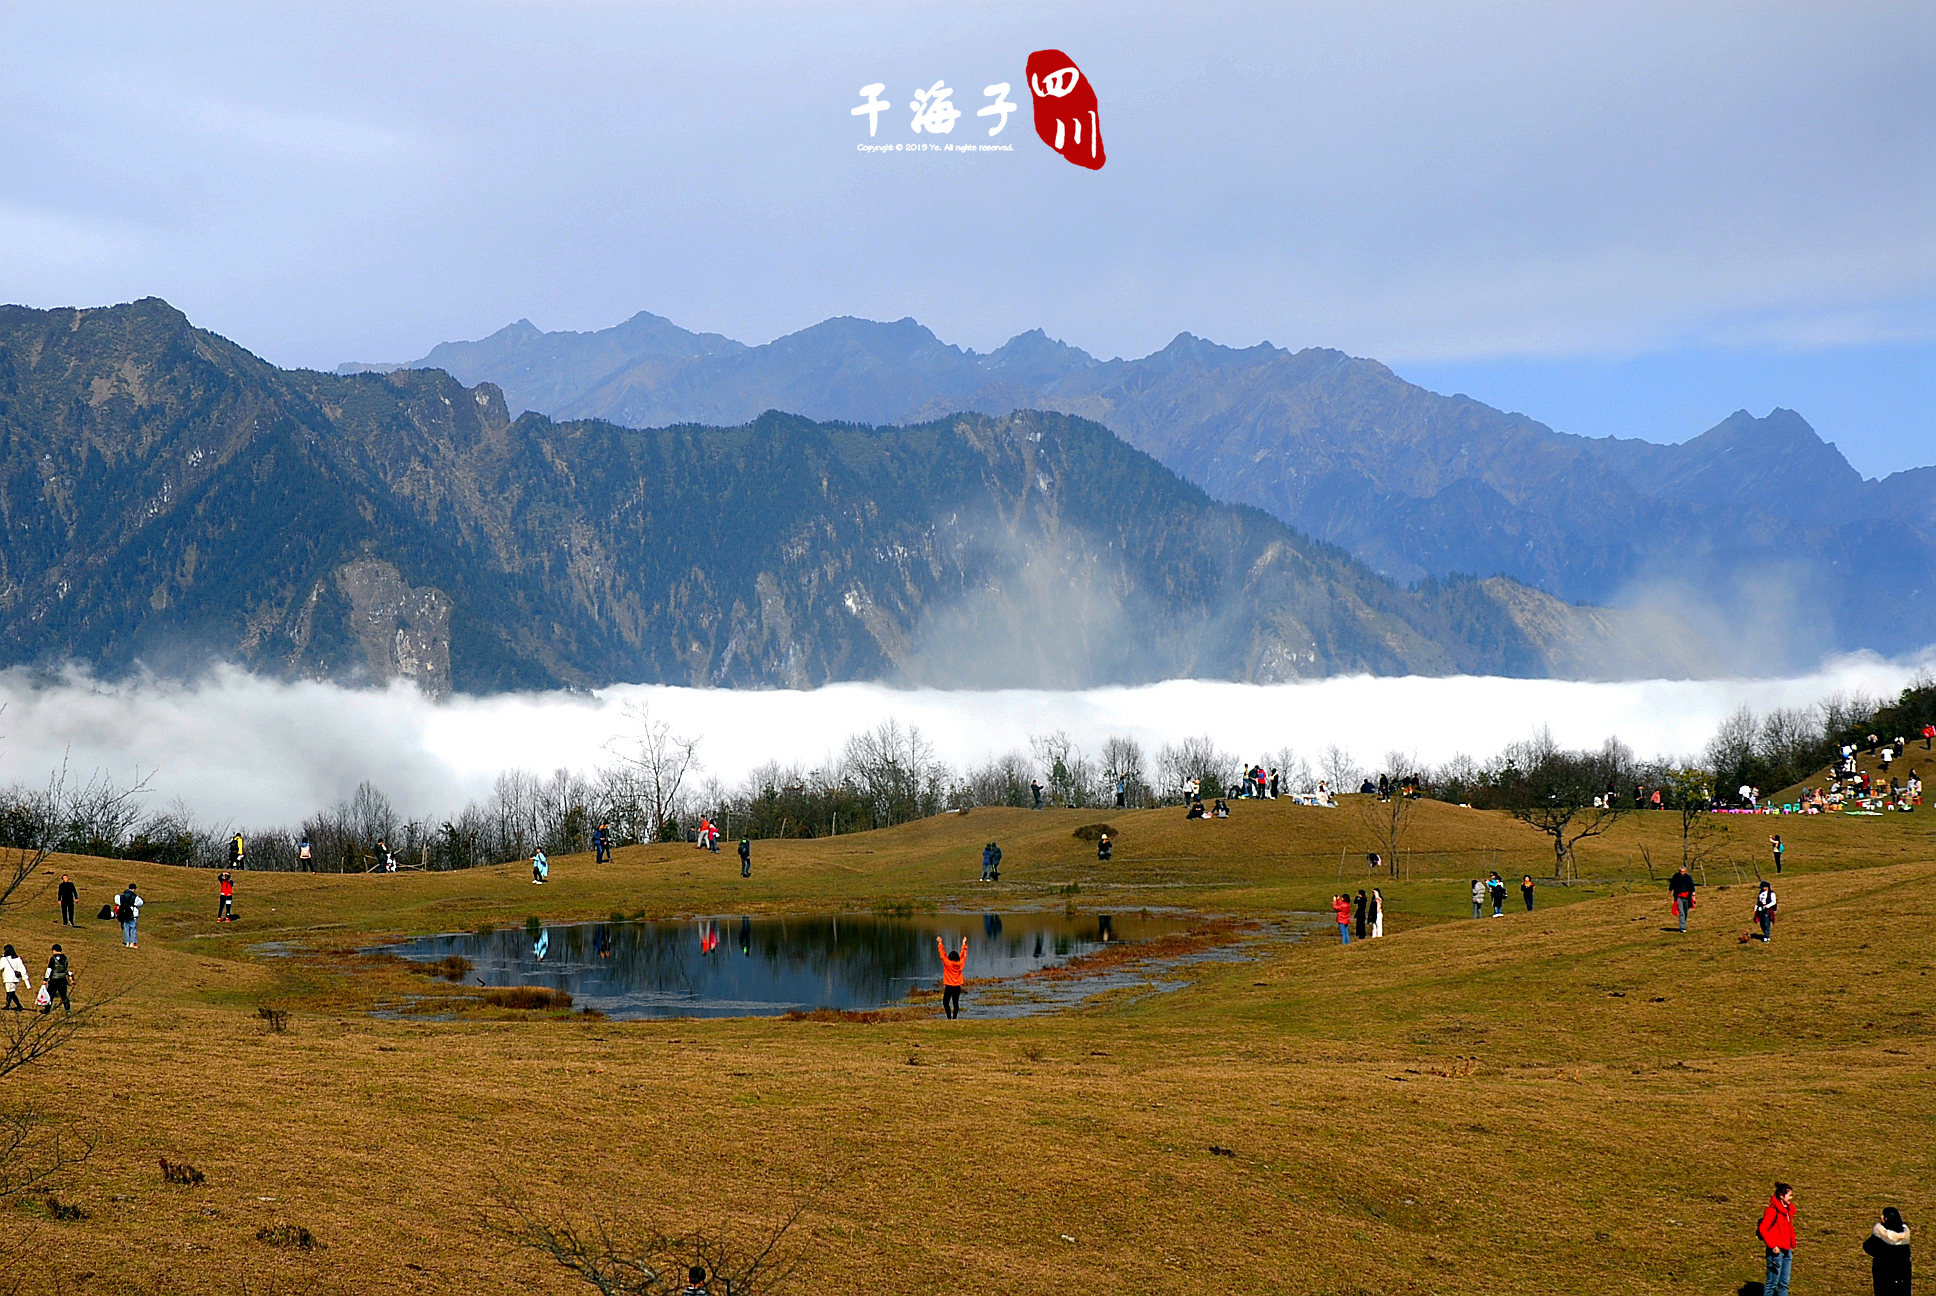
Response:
column 1777, row 1234
column 54, row 984
column 236, row 851
column 14, row 972
column 127, row 912
column 1496, row 887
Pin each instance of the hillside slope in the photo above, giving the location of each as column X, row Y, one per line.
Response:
column 169, row 497
column 1756, row 524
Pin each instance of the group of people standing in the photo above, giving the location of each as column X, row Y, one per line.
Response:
column 1493, row 887
column 1365, row 913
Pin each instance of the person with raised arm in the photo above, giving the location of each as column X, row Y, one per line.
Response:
column 952, row 963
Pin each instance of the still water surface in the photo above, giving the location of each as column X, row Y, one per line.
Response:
column 747, row 966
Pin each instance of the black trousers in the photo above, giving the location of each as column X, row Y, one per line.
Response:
column 67, row 914
column 226, row 907
column 951, row 1001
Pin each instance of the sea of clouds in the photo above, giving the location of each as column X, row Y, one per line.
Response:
column 239, row 748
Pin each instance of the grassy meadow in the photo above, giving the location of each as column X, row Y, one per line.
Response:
column 1576, row 1099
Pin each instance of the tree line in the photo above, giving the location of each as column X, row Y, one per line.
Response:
column 655, row 788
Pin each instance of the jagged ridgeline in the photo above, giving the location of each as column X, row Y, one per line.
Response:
column 170, row 499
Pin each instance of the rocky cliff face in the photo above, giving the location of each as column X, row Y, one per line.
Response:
column 169, row 497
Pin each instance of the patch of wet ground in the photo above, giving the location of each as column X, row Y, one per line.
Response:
column 1132, row 980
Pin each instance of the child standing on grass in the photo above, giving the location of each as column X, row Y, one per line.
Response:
column 1764, row 911
column 952, row 964
column 1777, row 1233
column 225, row 907
column 1341, row 909
column 14, row 971
column 1478, row 898
column 1526, row 890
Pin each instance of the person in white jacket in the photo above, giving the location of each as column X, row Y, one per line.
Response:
column 13, row 971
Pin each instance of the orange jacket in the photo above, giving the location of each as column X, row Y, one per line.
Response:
column 1341, row 907
column 951, row 967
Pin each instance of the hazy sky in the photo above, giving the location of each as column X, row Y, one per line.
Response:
column 1626, row 218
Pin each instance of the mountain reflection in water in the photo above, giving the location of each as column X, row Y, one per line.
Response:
column 747, row 966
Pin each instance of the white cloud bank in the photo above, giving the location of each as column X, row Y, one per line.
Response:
column 239, row 748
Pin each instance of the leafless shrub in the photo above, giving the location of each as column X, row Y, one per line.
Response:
column 618, row 1259
column 180, row 1172
column 287, row 1235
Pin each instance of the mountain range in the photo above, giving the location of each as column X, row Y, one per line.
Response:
column 170, row 499
column 1756, row 532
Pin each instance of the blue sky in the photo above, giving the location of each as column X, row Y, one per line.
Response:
column 1625, row 219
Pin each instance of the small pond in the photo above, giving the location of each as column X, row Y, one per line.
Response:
column 764, row 966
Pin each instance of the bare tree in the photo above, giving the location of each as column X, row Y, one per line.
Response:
column 1560, row 793
column 1069, row 774
column 1195, row 758
column 94, row 817
column 1122, row 764
column 622, row 1260
column 1340, row 769
column 662, row 760
column 1691, row 793
column 1387, row 820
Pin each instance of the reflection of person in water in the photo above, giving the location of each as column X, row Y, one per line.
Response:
column 951, row 966
column 708, row 937
column 746, row 935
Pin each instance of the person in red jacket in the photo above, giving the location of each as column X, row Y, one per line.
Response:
column 1777, row 1232
column 1341, row 906
column 951, row 967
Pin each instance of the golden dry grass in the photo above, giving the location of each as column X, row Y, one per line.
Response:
column 1570, row 1100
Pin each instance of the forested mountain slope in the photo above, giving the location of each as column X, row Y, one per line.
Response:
column 170, row 498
